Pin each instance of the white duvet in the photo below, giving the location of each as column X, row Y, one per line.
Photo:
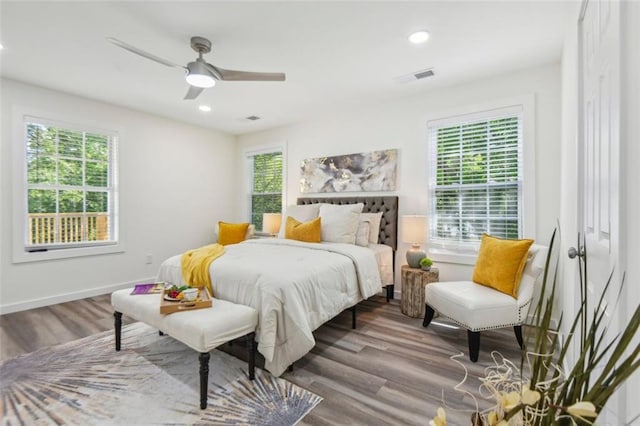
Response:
column 295, row 286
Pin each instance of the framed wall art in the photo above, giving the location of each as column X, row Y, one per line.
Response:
column 363, row 172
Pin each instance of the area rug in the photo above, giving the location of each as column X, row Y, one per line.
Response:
column 152, row 380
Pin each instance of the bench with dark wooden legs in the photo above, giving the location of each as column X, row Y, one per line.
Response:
column 200, row 329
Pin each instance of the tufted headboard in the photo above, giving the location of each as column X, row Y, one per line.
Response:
column 388, row 233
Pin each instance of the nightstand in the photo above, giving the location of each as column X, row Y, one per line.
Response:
column 413, row 282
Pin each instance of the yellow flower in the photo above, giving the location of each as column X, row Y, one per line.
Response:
column 509, row 400
column 530, row 397
column 582, row 409
column 493, row 418
column 440, row 419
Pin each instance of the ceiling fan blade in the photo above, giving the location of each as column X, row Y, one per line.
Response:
column 193, row 92
column 142, row 53
column 233, row 75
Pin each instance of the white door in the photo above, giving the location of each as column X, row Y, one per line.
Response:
column 599, row 144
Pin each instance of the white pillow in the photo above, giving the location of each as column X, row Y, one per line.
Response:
column 340, row 222
column 301, row 213
column 374, row 225
column 362, row 234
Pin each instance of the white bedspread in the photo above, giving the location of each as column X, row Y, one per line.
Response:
column 295, row 286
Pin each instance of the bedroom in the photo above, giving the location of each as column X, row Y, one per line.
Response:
column 169, row 163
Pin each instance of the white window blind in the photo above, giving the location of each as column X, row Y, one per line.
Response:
column 70, row 186
column 266, row 184
column 476, row 178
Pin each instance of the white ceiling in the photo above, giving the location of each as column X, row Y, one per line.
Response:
column 335, row 54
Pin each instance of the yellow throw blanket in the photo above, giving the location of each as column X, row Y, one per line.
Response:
column 195, row 265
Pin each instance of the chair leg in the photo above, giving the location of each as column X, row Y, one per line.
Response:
column 474, row 344
column 518, row 330
column 428, row 315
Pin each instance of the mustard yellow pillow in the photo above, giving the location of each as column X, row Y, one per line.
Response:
column 309, row 232
column 231, row 233
column 500, row 263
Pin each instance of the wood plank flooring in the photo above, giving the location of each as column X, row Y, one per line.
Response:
column 388, row 371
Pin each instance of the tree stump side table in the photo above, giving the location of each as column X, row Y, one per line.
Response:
column 413, row 282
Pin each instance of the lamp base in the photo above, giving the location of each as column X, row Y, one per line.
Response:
column 415, row 255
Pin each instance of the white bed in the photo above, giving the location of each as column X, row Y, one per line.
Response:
column 296, row 286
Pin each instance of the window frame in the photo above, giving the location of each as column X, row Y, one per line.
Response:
column 23, row 252
column 248, row 155
column 466, row 253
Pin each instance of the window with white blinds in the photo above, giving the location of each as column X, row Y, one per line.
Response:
column 476, row 178
column 266, row 184
column 70, row 186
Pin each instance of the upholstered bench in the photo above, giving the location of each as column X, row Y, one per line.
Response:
column 200, row 329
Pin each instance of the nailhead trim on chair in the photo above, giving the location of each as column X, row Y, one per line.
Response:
column 468, row 327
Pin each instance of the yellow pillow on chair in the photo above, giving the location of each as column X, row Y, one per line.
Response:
column 500, row 263
column 309, row 232
column 231, row 233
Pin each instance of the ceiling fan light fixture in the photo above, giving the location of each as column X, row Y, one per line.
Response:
column 199, row 76
column 419, row 37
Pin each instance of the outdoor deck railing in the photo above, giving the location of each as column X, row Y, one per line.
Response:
column 47, row 228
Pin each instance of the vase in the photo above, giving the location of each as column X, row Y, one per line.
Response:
column 426, row 268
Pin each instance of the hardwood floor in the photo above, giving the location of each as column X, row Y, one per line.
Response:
column 389, row 370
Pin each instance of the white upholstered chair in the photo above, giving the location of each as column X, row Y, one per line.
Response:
column 477, row 307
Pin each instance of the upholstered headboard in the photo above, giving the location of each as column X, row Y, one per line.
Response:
column 387, row 205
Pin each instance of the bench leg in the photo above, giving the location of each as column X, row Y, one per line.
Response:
column 117, row 316
column 204, row 378
column 251, row 345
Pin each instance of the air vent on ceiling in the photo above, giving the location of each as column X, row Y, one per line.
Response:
column 253, row 117
column 415, row 76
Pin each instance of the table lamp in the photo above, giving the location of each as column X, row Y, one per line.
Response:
column 414, row 232
column 271, row 223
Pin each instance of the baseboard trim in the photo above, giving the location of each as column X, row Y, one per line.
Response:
column 67, row 297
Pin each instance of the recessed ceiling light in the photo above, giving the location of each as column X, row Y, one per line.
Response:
column 419, row 37
column 204, row 108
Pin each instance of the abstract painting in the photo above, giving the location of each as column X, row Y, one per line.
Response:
column 364, row 172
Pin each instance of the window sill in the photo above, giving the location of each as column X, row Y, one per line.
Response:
column 21, row 256
column 454, row 257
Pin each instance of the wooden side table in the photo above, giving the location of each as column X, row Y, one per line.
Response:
column 413, row 282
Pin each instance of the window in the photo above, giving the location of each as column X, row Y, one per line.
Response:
column 266, row 184
column 476, row 178
column 70, row 186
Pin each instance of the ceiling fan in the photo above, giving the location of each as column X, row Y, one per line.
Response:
column 199, row 73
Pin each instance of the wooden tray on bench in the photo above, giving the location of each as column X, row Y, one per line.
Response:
column 169, row 306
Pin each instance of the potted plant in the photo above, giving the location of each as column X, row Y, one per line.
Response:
column 425, row 263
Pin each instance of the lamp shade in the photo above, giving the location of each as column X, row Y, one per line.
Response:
column 414, row 229
column 271, row 222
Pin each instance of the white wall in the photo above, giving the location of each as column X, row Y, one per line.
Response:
column 402, row 124
column 175, row 184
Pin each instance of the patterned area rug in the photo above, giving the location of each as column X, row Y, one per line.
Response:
column 152, row 380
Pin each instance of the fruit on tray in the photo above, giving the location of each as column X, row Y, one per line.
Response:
column 175, row 292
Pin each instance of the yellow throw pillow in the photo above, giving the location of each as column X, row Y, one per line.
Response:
column 231, row 233
column 309, row 232
column 500, row 263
